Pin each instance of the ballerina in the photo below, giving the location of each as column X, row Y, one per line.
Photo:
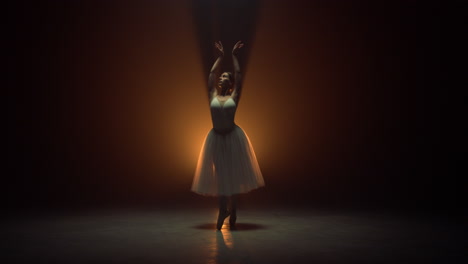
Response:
column 227, row 165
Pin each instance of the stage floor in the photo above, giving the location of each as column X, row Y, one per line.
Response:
column 263, row 236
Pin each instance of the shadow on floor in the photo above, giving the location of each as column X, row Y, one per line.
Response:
column 239, row 226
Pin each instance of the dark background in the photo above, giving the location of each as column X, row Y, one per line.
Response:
column 106, row 101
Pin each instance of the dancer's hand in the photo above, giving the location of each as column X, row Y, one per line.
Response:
column 237, row 47
column 219, row 46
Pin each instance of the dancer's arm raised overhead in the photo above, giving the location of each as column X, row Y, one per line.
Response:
column 236, row 93
column 212, row 91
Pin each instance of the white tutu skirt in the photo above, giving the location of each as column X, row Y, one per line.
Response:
column 227, row 165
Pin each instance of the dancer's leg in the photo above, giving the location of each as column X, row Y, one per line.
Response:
column 233, row 211
column 223, row 212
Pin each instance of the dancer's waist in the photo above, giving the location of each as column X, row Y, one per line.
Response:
column 223, row 130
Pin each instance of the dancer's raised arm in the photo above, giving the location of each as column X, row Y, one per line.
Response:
column 237, row 73
column 212, row 91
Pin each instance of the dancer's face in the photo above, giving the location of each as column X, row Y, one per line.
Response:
column 224, row 81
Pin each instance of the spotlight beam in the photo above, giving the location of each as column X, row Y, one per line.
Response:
column 228, row 21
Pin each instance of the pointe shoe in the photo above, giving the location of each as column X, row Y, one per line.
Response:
column 221, row 217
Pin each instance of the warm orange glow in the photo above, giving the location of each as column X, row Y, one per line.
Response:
column 175, row 112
